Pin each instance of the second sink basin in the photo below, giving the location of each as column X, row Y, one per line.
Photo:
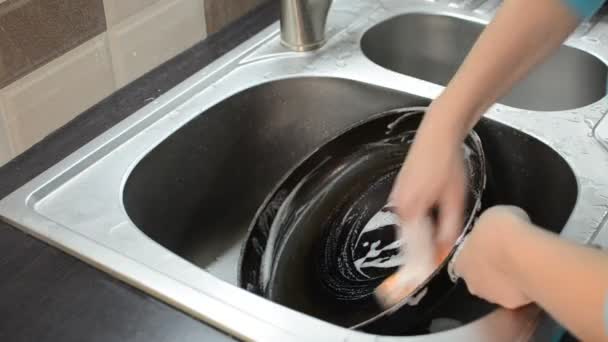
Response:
column 432, row 47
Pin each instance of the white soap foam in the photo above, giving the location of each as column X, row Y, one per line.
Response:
column 381, row 219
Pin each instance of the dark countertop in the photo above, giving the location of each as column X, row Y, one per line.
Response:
column 47, row 295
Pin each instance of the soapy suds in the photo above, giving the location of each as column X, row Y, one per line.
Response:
column 380, row 220
column 371, row 260
column 417, row 298
column 384, row 217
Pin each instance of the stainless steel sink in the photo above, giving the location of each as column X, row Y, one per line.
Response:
column 432, row 47
column 241, row 147
column 163, row 199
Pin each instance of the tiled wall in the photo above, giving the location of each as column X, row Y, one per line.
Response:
column 36, row 31
column 221, row 12
column 59, row 57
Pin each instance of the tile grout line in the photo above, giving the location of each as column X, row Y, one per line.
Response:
column 4, row 125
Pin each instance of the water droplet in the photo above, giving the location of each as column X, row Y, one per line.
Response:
column 589, row 123
column 573, row 119
column 378, row 14
column 591, row 39
column 601, row 206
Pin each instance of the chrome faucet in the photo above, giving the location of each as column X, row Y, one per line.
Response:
column 303, row 23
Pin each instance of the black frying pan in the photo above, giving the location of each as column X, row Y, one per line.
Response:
column 306, row 243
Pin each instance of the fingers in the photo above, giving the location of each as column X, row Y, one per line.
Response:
column 418, row 267
column 419, row 244
column 451, row 209
column 516, row 211
column 476, row 262
column 501, row 292
column 410, row 198
column 418, row 183
column 459, row 262
column 394, row 289
column 514, row 300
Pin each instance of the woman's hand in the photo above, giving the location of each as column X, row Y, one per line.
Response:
column 483, row 262
column 511, row 262
column 433, row 177
column 522, row 34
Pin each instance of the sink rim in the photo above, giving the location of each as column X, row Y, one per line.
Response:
column 146, row 128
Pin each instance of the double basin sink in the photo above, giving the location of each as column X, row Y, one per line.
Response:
column 164, row 199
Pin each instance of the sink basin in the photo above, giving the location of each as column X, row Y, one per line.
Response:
column 211, row 175
column 432, row 47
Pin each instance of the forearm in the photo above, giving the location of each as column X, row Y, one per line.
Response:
column 567, row 280
column 522, row 35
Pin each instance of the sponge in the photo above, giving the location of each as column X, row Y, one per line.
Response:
column 419, row 262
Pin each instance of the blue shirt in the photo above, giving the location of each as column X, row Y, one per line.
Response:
column 585, row 8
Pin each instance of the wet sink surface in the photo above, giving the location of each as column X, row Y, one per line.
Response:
column 432, row 47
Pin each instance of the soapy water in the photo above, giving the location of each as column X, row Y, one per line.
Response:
column 371, row 260
column 384, row 219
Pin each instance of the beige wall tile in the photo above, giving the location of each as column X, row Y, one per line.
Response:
column 51, row 96
column 34, row 32
column 119, row 10
column 6, row 152
column 220, row 13
column 153, row 36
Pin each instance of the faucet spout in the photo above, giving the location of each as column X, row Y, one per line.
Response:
column 303, row 23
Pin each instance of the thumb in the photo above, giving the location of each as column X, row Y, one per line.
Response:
column 451, row 208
